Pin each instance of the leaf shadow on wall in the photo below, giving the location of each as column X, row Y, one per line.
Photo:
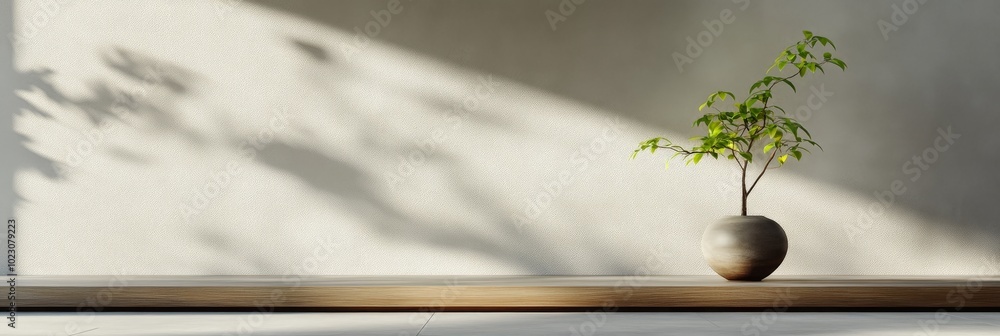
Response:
column 619, row 56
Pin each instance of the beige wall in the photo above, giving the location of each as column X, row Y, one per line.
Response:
column 469, row 137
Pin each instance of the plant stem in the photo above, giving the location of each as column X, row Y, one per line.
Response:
column 766, row 165
column 745, row 192
column 753, row 136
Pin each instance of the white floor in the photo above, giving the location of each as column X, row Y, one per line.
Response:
column 547, row 324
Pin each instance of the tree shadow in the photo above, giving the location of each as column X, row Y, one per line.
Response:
column 354, row 185
column 588, row 59
column 597, row 56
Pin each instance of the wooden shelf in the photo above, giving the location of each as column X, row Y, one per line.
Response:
column 503, row 293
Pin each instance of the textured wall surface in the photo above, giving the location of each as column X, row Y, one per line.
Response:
column 484, row 137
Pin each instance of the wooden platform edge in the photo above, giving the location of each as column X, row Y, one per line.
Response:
column 509, row 298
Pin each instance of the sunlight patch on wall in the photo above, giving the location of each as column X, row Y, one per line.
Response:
column 193, row 141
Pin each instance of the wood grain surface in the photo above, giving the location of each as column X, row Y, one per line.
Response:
column 500, row 293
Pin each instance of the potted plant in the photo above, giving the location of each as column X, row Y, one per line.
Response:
column 747, row 247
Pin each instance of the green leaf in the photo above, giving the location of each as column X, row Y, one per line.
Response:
column 814, row 144
column 802, row 72
column 703, row 119
column 792, row 127
column 768, row 147
column 697, row 157
column 824, row 41
column 839, row 63
column 808, row 34
column 827, row 56
column 781, row 159
column 805, row 130
column 715, row 125
column 797, row 155
column 789, row 85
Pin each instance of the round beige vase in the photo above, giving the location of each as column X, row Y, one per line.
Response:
column 744, row 248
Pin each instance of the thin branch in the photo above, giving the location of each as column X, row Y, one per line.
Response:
column 683, row 151
column 736, row 157
column 762, row 171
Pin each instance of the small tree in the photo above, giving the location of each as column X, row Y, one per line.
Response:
column 753, row 124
